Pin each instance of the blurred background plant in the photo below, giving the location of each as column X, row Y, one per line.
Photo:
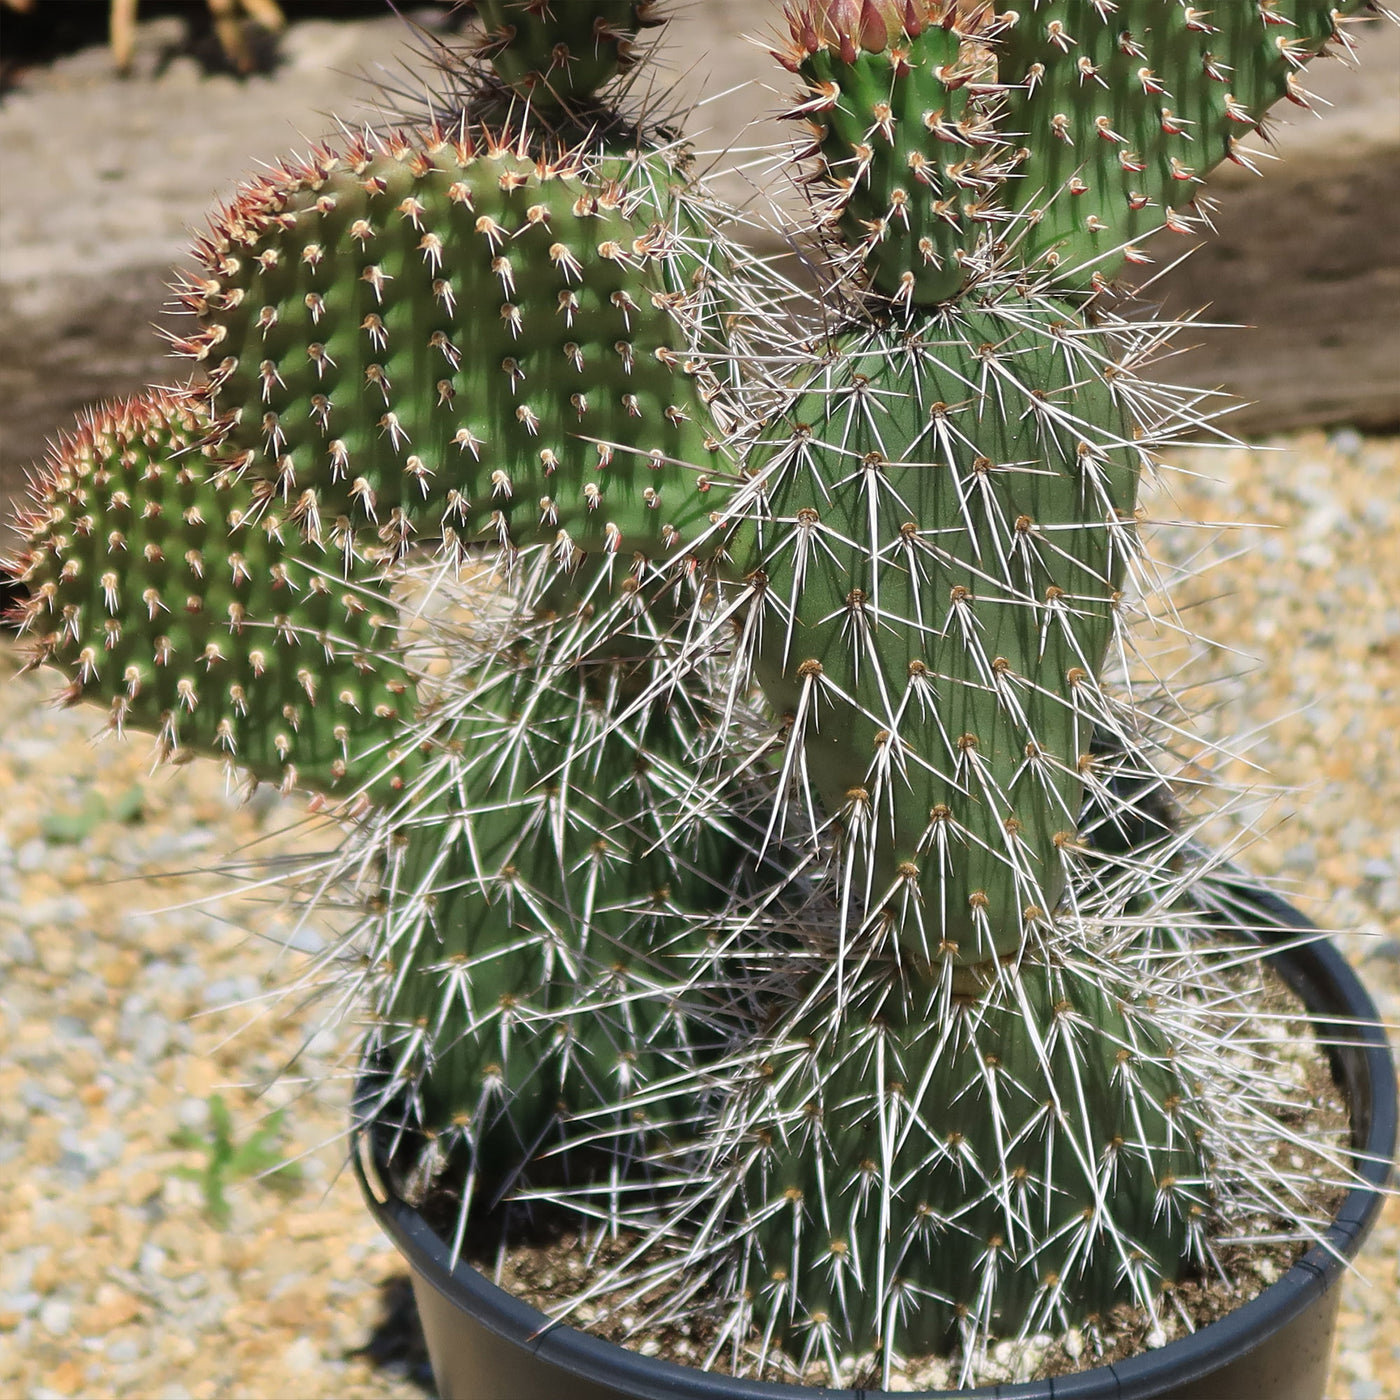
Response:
column 260, row 1155
column 228, row 17
column 237, row 35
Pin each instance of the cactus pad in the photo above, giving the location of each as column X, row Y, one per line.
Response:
column 948, row 521
column 908, row 152
column 447, row 338
column 542, row 930
column 1141, row 100
column 1060, row 133
column 167, row 588
column 918, row 1170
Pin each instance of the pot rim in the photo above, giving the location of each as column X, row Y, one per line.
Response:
column 1348, row 1024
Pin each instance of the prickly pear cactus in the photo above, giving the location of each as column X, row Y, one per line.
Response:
column 483, row 338
column 966, row 1119
column 881, row 1017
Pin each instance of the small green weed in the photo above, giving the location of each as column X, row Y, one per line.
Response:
column 227, row 1161
column 71, row 827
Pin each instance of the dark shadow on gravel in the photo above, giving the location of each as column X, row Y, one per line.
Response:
column 396, row 1345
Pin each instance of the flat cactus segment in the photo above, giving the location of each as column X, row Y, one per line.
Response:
column 909, row 155
column 1058, row 133
column 163, row 587
column 557, row 54
column 916, row 1172
column 944, row 525
column 1123, row 110
column 449, row 339
column 546, row 942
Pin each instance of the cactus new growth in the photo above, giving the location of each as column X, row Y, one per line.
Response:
column 1071, row 130
column 755, row 825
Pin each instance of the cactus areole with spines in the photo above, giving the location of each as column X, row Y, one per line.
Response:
column 769, row 862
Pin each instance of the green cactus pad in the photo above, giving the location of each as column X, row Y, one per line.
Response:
column 950, row 512
column 166, row 588
column 1122, row 111
column 557, row 54
column 544, row 934
column 1061, row 132
column 446, row 338
column 916, row 1170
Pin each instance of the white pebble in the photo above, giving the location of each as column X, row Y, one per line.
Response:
column 193, row 1113
column 32, row 855
column 56, row 1317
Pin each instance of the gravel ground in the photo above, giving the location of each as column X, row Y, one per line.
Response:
column 131, row 999
column 1303, row 606
column 120, row 1022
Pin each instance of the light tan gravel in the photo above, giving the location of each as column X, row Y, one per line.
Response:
column 1309, row 610
column 112, row 1280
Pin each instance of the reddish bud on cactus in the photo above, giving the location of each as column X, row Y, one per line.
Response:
column 853, row 26
column 873, row 32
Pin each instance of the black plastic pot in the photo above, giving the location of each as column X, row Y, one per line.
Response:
column 486, row 1345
